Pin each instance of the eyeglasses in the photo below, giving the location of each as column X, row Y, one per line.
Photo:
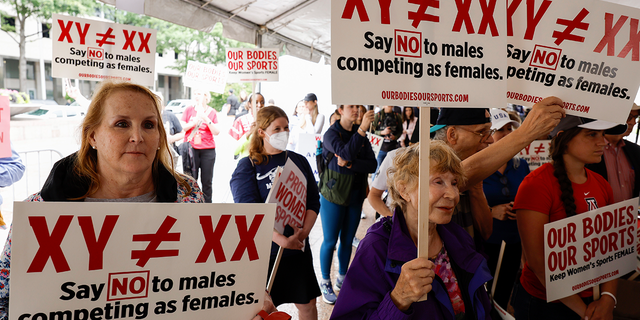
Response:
column 505, row 188
column 484, row 135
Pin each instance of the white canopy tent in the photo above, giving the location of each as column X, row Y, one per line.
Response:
column 302, row 28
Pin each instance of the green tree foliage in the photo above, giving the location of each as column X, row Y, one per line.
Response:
column 189, row 44
column 21, row 10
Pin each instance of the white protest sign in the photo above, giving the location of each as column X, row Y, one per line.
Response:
column 247, row 65
column 148, row 260
column 376, row 142
column 205, row 76
column 584, row 52
column 290, row 195
column 536, row 153
column 307, row 145
column 431, row 53
column 589, row 248
column 96, row 50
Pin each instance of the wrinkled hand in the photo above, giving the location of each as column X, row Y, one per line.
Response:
column 601, row 309
column 414, row 282
column 503, row 211
column 267, row 306
column 385, row 132
column 342, row 162
column 543, row 117
column 367, row 119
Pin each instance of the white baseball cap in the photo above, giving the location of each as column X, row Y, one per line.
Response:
column 500, row 118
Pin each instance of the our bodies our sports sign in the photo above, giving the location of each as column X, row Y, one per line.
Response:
column 96, row 50
column 585, row 52
column 428, row 53
column 589, row 248
column 139, row 260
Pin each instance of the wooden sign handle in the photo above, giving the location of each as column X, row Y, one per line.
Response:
column 423, row 185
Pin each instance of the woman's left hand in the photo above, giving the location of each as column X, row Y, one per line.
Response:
column 342, row 162
column 601, row 309
column 292, row 242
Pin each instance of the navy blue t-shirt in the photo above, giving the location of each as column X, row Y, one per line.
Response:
column 506, row 230
column 251, row 184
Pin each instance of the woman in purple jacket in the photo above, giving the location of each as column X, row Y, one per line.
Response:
column 386, row 280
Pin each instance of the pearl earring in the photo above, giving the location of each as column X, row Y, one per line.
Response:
column 158, row 148
column 94, row 147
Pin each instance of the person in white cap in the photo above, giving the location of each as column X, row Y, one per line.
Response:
column 556, row 190
column 500, row 189
column 621, row 160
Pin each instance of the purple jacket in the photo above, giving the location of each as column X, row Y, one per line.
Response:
column 375, row 269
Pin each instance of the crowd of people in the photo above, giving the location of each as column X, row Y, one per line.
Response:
column 480, row 195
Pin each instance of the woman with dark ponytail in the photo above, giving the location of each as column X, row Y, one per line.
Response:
column 553, row 192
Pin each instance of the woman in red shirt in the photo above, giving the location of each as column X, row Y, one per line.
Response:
column 203, row 118
column 553, row 192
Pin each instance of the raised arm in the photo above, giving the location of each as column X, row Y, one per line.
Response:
column 544, row 116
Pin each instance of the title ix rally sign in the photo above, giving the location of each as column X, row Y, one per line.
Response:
column 418, row 52
column 84, row 261
column 589, row 248
column 96, row 50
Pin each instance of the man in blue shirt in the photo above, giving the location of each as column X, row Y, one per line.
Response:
column 11, row 171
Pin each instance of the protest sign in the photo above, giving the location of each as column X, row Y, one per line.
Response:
column 589, row 248
column 290, row 195
column 246, row 65
column 584, row 52
column 307, row 145
column 205, row 76
column 376, row 142
column 430, row 53
column 5, row 127
column 142, row 260
column 536, row 153
column 96, row 50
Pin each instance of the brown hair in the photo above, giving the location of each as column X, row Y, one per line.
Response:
column 87, row 159
column 265, row 116
column 405, row 168
column 557, row 150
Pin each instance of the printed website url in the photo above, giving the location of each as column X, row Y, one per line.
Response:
column 101, row 76
column 595, row 280
column 424, row 96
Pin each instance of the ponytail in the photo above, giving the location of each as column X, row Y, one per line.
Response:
column 557, row 150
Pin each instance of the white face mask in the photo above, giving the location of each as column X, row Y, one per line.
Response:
column 279, row 140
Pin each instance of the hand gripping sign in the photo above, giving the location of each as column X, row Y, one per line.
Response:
column 139, row 260
column 96, row 50
column 418, row 52
column 290, row 195
column 585, row 52
column 589, row 248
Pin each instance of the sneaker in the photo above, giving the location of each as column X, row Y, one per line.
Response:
column 355, row 242
column 362, row 215
column 338, row 284
column 328, row 296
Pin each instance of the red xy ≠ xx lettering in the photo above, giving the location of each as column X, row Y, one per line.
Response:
column 571, row 25
column 421, row 14
column 151, row 251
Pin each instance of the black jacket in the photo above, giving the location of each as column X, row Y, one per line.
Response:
column 64, row 184
column 632, row 151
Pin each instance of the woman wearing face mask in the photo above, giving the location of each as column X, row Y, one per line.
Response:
column 295, row 281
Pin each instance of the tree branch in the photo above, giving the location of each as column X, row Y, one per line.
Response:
column 10, row 36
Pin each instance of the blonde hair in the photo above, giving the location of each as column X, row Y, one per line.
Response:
column 314, row 113
column 264, row 118
column 405, row 169
column 87, row 160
